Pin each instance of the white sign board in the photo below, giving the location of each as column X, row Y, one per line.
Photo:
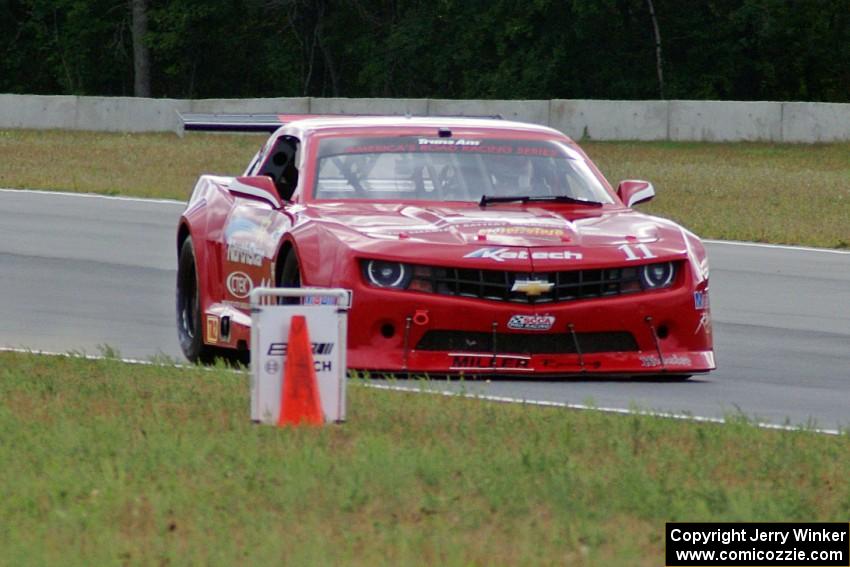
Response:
column 327, row 328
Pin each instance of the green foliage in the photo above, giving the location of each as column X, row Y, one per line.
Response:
column 723, row 49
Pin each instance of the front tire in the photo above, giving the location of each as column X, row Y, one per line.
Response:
column 289, row 275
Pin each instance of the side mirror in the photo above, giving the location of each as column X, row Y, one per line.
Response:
column 634, row 191
column 259, row 187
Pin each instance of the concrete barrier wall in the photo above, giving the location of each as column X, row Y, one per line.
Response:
column 611, row 119
column 721, row 121
column 815, row 122
column 684, row 120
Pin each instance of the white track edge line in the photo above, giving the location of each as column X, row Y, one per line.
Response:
column 776, row 246
column 139, row 361
column 465, row 395
column 587, row 407
column 93, row 196
column 176, row 202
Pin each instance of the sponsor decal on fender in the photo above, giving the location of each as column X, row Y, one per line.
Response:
column 531, row 322
column 239, row 284
column 241, row 253
column 502, row 254
column 212, row 329
column 701, row 300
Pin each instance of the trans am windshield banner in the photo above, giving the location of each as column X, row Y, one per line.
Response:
column 425, row 144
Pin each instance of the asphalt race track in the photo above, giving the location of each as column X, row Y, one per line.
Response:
column 81, row 271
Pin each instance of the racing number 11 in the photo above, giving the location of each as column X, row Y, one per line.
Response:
column 629, row 250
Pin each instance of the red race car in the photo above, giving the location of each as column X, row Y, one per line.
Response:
column 472, row 246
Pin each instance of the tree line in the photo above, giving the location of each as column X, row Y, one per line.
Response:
column 536, row 49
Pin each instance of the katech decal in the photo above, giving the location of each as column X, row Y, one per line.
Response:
column 245, row 253
column 531, row 322
column 484, row 361
column 502, row 254
column 239, row 285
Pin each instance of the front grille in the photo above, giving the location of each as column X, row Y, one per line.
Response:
column 527, row 343
column 568, row 285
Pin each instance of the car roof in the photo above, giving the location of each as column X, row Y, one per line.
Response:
column 369, row 124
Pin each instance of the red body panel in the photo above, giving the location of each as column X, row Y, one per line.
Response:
column 241, row 240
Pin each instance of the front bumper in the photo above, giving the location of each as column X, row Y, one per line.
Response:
column 671, row 334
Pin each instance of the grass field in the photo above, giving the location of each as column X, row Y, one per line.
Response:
column 103, row 463
column 781, row 193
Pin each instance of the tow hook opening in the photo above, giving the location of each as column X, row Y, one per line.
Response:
column 388, row 330
column 421, row 317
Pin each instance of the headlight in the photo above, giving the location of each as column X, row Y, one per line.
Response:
column 387, row 274
column 656, row 276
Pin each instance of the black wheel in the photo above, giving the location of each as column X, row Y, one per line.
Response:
column 189, row 329
column 678, row 377
column 289, row 275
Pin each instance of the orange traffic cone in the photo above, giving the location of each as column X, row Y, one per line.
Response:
column 300, row 401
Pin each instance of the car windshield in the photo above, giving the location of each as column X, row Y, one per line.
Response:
column 453, row 169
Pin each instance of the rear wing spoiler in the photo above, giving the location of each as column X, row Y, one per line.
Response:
column 239, row 122
column 263, row 122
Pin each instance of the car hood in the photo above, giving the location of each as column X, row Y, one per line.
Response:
column 492, row 226
column 511, row 237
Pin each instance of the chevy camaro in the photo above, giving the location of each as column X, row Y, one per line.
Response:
column 471, row 246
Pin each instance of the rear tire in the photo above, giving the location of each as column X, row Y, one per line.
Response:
column 189, row 321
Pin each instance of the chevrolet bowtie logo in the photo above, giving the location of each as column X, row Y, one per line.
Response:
column 532, row 287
